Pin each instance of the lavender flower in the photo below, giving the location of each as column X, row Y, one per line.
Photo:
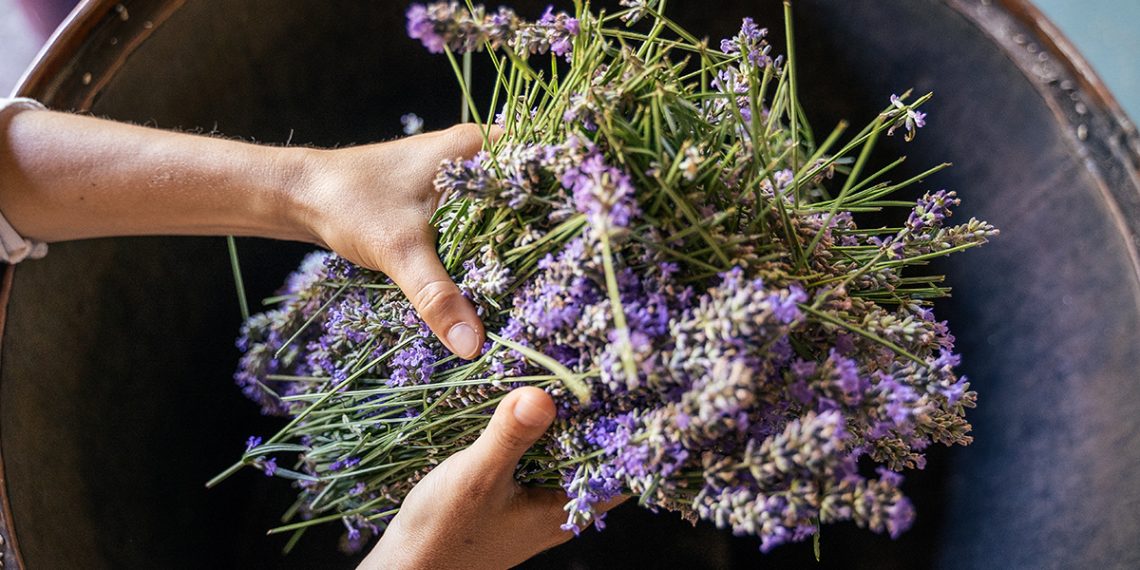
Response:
column 486, row 280
column 645, row 242
column 267, row 466
column 603, row 192
column 913, row 120
column 733, row 83
column 932, row 210
column 749, row 41
column 446, row 25
column 501, row 27
column 552, row 33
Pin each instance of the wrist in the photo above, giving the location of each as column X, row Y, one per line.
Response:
column 294, row 208
column 395, row 550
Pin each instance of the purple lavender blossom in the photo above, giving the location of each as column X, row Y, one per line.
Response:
column 442, row 26
column 561, row 30
column 486, row 279
column 932, row 210
column 893, row 246
column 914, row 120
column 501, row 26
column 719, row 389
column 552, row 33
column 603, row 192
column 733, row 83
column 413, row 364
column 445, row 25
column 785, row 304
column 346, row 463
column 749, row 41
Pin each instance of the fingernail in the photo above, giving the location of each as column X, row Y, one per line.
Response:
column 530, row 413
column 463, row 340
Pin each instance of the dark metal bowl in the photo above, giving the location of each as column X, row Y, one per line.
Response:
column 115, row 399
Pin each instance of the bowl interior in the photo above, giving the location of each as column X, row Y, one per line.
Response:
column 118, row 353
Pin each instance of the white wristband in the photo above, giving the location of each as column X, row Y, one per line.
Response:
column 14, row 248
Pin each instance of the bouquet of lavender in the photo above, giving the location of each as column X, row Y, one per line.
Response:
column 660, row 242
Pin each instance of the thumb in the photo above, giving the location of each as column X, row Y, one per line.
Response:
column 519, row 421
column 438, row 301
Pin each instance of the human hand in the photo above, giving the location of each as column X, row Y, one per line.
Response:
column 469, row 512
column 372, row 205
column 65, row 177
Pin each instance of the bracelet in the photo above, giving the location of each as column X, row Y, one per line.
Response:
column 15, row 248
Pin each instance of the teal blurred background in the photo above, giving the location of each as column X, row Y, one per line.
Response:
column 1108, row 34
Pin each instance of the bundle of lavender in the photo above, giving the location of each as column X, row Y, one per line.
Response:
column 660, row 242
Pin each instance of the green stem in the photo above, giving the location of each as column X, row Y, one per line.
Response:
column 571, row 381
column 239, row 283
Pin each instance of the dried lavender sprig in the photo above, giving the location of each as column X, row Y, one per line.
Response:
column 563, row 300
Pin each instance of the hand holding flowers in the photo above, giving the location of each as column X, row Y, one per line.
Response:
column 660, row 243
column 66, row 177
column 373, row 205
column 470, row 512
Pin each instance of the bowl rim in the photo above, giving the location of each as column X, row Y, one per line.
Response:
column 72, row 68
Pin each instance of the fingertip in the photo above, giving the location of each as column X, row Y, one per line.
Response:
column 533, row 407
column 465, row 340
column 440, row 303
column 463, row 330
column 520, row 420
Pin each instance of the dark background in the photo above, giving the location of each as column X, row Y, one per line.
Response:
column 116, row 398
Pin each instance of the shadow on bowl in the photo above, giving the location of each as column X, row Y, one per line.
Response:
column 115, row 388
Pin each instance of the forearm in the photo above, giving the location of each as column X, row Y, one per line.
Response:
column 64, row 177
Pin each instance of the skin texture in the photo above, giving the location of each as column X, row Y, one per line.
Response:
column 68, row 177
column 469, row 512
